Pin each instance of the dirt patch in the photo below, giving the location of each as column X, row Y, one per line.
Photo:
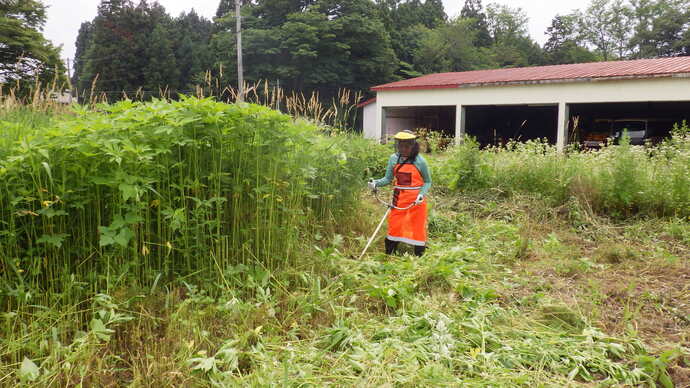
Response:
column 650, row 299
column 680, row 376
column 654, row 299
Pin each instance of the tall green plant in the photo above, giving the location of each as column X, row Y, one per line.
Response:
column 467, row 165
column 619, row 181
column 138, row 191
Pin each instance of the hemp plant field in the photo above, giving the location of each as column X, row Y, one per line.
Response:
column 196, row 243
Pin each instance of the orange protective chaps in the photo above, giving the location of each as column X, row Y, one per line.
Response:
column 407, row 226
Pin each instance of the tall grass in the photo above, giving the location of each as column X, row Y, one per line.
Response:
column 144, row 192
column 621, row 181
column 338, row 111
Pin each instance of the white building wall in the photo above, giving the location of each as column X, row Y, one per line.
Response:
column 399, row 120
column 62, row 98
column 659, row 89
column 396, row 120
column 369, row 121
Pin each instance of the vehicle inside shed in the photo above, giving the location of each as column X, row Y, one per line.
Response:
column 593, row 124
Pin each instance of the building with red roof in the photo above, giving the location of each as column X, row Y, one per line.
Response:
column 559, row 102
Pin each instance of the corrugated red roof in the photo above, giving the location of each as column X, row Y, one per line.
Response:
column 367, row 102
column 640, row 68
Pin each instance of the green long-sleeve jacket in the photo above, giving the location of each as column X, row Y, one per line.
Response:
column 419, row 162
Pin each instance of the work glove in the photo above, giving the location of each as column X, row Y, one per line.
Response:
column 372, row 184
column 420, row 199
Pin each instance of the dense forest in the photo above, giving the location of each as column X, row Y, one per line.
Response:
column 323, row 45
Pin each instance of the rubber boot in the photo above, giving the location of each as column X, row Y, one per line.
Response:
column 419, row 250
column 390, row 246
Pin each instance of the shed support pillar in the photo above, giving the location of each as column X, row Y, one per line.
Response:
column 460, row 120
column 563, row 118
column 381, row 123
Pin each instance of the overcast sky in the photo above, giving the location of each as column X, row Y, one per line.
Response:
column 65, row 16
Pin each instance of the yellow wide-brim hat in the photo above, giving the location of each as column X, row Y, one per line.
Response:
column 405, row 135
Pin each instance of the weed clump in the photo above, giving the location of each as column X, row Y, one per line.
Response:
column 621, row 181
column 142, row 193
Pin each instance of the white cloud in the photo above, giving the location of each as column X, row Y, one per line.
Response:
column 540, row 13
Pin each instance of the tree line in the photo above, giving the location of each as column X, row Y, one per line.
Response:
column 323, row 45
column 25, row 54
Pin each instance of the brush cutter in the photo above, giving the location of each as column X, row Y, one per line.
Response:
column 389, row 207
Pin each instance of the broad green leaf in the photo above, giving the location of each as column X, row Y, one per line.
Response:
column 101, row 180
column 665, row 380
column 123, row 237
column 46, row 166
column 49, row 212
column 28, row 371
column 205, row 364
column 129, row 191
column 99, row 330
column 107, row 236
column 118, row 222
column 132, row 218
column 45, row 154
column 53, row 239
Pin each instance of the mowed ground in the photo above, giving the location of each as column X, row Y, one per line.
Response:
column 628, row 278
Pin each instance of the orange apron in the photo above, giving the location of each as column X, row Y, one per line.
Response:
column 407, row 226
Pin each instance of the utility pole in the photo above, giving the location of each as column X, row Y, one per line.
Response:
column 278, row 94
column 238, row 31
column 69, row 80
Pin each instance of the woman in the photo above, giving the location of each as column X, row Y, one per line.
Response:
column 412, row 182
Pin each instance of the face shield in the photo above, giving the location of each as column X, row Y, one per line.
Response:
column 406, row 144
column 405, row 147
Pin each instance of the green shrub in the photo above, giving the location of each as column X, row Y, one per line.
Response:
column 166, row 189
column 620, row 181
column 466, row 168
column 623, row 180
column 531, row 167
column 16, row 123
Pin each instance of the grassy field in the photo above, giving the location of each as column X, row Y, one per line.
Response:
column 530, row 279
